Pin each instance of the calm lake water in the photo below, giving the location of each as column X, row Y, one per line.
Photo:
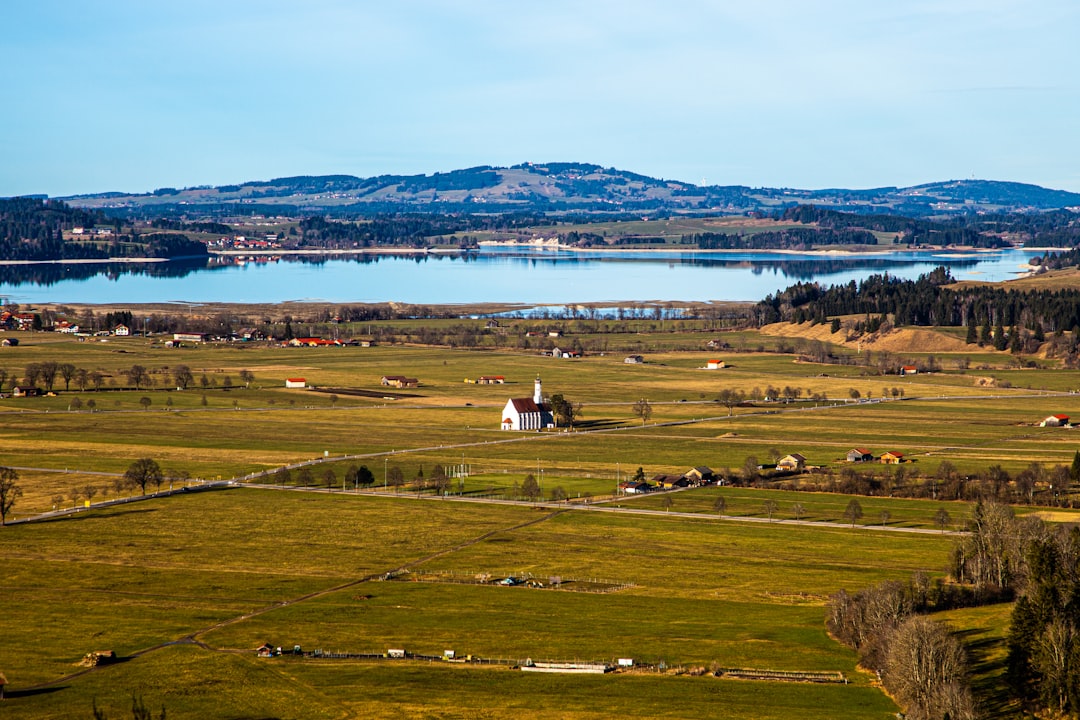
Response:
column 492, row 275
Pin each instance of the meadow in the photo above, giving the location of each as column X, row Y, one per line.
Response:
column 195, row 582
column 184, row 588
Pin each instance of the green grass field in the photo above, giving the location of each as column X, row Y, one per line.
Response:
column 219, row 573
column 134, row 577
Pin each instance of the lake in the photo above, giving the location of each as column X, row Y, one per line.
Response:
column 504, row 275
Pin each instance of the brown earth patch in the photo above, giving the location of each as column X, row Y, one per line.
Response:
column 916, row 340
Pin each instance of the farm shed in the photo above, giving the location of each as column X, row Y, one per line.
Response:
column 399, row 381
column 859, row 455
column 892, row 458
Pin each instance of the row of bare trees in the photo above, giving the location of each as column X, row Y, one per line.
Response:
column 180, row 376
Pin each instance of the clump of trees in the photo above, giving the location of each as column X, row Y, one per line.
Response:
column 1003, row 557
column 1043, row 664
column 920, row 662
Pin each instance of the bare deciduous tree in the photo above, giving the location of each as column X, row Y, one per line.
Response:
column 143, row 472
column 853, row 511
column 927, row 672
column 9, row 491
column 643, row 409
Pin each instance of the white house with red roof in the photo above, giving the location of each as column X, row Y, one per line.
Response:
column 528, row 413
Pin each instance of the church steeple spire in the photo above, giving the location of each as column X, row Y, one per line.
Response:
column 538, row 393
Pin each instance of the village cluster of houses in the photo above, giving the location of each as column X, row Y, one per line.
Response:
column 324, row 342
column 16, row 321
column 94, row 231
column 694, row 477
column 24, row 321
column 269, row 241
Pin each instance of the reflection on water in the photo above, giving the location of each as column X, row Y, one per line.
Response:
column 495, row 275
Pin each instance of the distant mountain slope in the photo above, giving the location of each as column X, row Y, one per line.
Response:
column 568, row 187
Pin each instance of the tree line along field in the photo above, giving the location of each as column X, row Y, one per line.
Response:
column 704, row 590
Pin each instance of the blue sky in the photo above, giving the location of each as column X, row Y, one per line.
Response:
column 132, row 96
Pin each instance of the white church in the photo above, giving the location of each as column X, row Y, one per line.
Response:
column 528, row 413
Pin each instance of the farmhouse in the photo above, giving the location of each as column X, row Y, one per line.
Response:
column 313, row 342
column 794, row 461
column 892, row 458
column 189, row 337
column 630, row 487
column 699, row 475
column 399, row 381
column 1056, row 421
column 295, row 383
column 859, row 455
column 909, row 370
column 671, row 481
column 528, row 413
column 25, row 391
column 23, row 321
column 491, row 379
column 715, row 365
column 121, row 331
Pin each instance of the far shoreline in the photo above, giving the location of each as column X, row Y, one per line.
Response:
column 954, row 251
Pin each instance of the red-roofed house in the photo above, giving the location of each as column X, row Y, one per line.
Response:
column 1055, row 421
column 892, row 458
column 295, row 383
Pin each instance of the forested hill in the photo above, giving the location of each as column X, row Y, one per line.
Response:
column 36, row 229
column 1017, row 320
column 32, row 229
column 565, row 187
